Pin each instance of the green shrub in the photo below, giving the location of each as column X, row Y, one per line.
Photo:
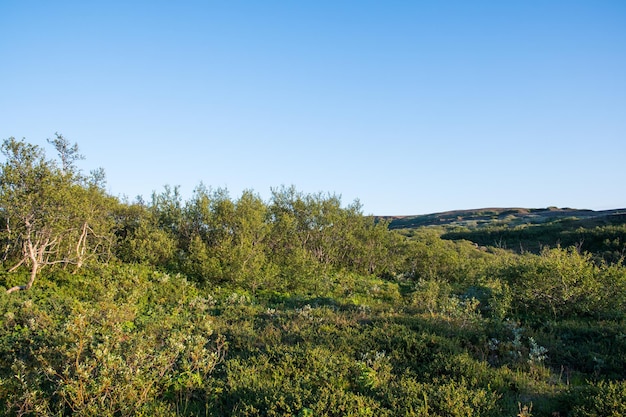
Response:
column 602, row 399
column 117, row 356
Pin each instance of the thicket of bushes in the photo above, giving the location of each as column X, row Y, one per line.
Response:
column 297, row 306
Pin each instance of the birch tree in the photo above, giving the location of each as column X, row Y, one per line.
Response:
column 50, row 215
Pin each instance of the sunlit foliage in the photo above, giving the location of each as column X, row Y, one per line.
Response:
column 296, row 306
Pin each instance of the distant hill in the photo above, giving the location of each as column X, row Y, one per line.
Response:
column 476, row 218
column 602, row 233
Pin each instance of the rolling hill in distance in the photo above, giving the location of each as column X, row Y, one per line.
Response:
column 483, row 217
column 601, row 233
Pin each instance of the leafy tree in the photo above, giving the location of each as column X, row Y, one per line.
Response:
column 299, row 224
column 140, row 240
column 50, row 215
column 168, row 210
column 249, row 264
column 205, row 233
column 225, row 240
column 68, row 153
column 371, row 248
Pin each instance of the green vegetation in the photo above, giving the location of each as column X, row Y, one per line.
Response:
column 296, row 306
column 602, row 233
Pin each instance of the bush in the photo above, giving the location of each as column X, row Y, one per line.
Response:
column 602, row 399
column 144, row 349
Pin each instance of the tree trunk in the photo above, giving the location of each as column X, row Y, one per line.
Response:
column 81, row 246
column 33, row 275
column 36, row 255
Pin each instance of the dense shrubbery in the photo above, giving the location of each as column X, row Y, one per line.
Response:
column 293, row 307
column 121, row 341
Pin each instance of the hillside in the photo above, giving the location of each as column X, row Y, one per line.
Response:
column 507, row 216
column 601, row 233
column 298, row 306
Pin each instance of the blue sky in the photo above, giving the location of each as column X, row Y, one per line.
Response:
column 409, row 106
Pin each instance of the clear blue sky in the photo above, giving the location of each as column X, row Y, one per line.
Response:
column 410, row 106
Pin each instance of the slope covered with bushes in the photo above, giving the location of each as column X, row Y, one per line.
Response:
column 296, row 306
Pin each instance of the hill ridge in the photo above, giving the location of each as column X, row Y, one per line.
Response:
column 508, row 215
